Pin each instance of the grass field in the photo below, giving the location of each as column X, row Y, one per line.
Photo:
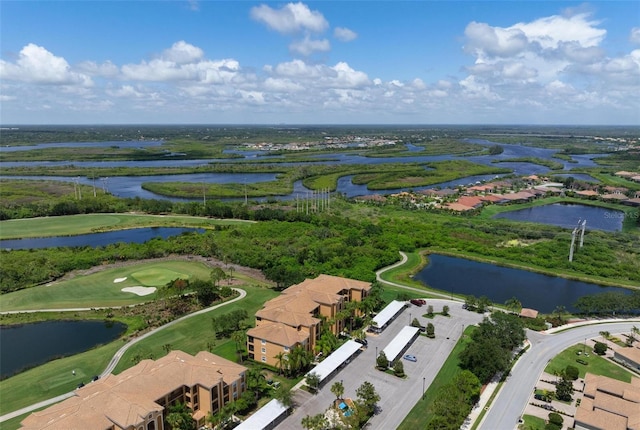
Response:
column 55, row 378
column 100, row 290
column 596, row 364
column 82, row 224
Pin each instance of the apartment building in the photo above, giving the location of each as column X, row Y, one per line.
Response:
column 294, row 318
column 609, row 404
column 139, row 397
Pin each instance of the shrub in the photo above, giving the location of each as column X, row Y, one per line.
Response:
column 600, row 348
column 571, row 372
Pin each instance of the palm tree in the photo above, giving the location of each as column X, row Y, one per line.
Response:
column 239, row 338
column 337, row 389
column 281, row 358
column 605, row 335
column 514, row 305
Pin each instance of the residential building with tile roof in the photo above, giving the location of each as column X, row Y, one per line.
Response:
column 609, row 404
column 139, row 397
column 294, row 318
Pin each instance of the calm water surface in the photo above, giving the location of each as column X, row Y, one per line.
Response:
column 499, row 284
column 134, row 235
column 33, row 344
column 568, row 215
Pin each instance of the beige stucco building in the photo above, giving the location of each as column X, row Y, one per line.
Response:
column 294, row 317
column 609, row 404
column 139, row 397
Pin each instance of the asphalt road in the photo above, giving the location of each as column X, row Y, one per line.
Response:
column 509, row 404
column 397, row 396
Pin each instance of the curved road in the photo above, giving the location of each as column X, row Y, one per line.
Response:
column 117, row 356
column 509, row 404
column 511, row 401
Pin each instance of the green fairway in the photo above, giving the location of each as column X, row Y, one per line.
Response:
column 101, row 289
column 83, row 224
column 191, row 335
column 194, row 334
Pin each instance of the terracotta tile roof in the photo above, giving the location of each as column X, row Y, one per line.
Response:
column 278, row 333
column 470, row 201
column 587, row 193
column 331, row 284
column 632, row 353
column 458, row 207
column 609, row 404
column 615, row 196
column 287, row 316
column 492, row 198
column 529, row 313
column 125, row 399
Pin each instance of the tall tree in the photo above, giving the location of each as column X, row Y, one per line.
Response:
column 337, row 389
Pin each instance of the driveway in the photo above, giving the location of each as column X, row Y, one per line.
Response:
column 397, row 396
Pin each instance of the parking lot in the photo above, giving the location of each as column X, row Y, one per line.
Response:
column 398, row 396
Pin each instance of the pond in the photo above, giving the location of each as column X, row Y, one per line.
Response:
column 541, row 292
column 567, row 215
column 29, row 345
column 134, row 235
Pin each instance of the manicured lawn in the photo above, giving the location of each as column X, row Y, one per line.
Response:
column 532, row 423
column 55, row 377
column 91, row 223
column 596, row 364
column 421, row 412
column 195, row 334
column 100, row 290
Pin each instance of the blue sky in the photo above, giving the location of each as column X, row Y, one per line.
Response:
column 366, row 62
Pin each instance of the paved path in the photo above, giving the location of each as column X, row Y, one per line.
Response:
column 117, row 356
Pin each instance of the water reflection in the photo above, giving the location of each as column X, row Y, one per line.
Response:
column 541, row 292
column 567, row 215
column 28, row 345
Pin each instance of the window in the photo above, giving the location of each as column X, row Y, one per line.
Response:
column 262, row 341
column 286, row 348
column 263, row 350
column 264, row 359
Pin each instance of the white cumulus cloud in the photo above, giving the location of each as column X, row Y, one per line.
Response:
column 634, row 37
column 37, row 65
column 308, row 46
column 290, row 18
column 344, row 34
column 182, row 52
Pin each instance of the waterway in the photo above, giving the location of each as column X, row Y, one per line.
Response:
column 541, row 292
column 568, row 215
column 134, row 235
column 29, row 345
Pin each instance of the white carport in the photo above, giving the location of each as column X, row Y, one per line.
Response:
column 267, row 417
column 386, row 315
column 335, row 360
column 399, row 343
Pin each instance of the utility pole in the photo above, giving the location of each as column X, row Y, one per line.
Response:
column 584, row 225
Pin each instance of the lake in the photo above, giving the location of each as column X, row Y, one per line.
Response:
column 134, row 235
column 29, row 345
column 567, row 215
column 541, row 292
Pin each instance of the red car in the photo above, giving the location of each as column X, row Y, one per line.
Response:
column 418, row 302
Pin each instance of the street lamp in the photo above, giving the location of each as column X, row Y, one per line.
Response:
column 376, row 357
column 423, row 380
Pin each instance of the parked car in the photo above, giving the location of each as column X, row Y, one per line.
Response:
column 410, row 357
column 362, row 341
column 418, row 302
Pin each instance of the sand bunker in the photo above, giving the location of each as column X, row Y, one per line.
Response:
column 118, row 280
column 141, row 291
